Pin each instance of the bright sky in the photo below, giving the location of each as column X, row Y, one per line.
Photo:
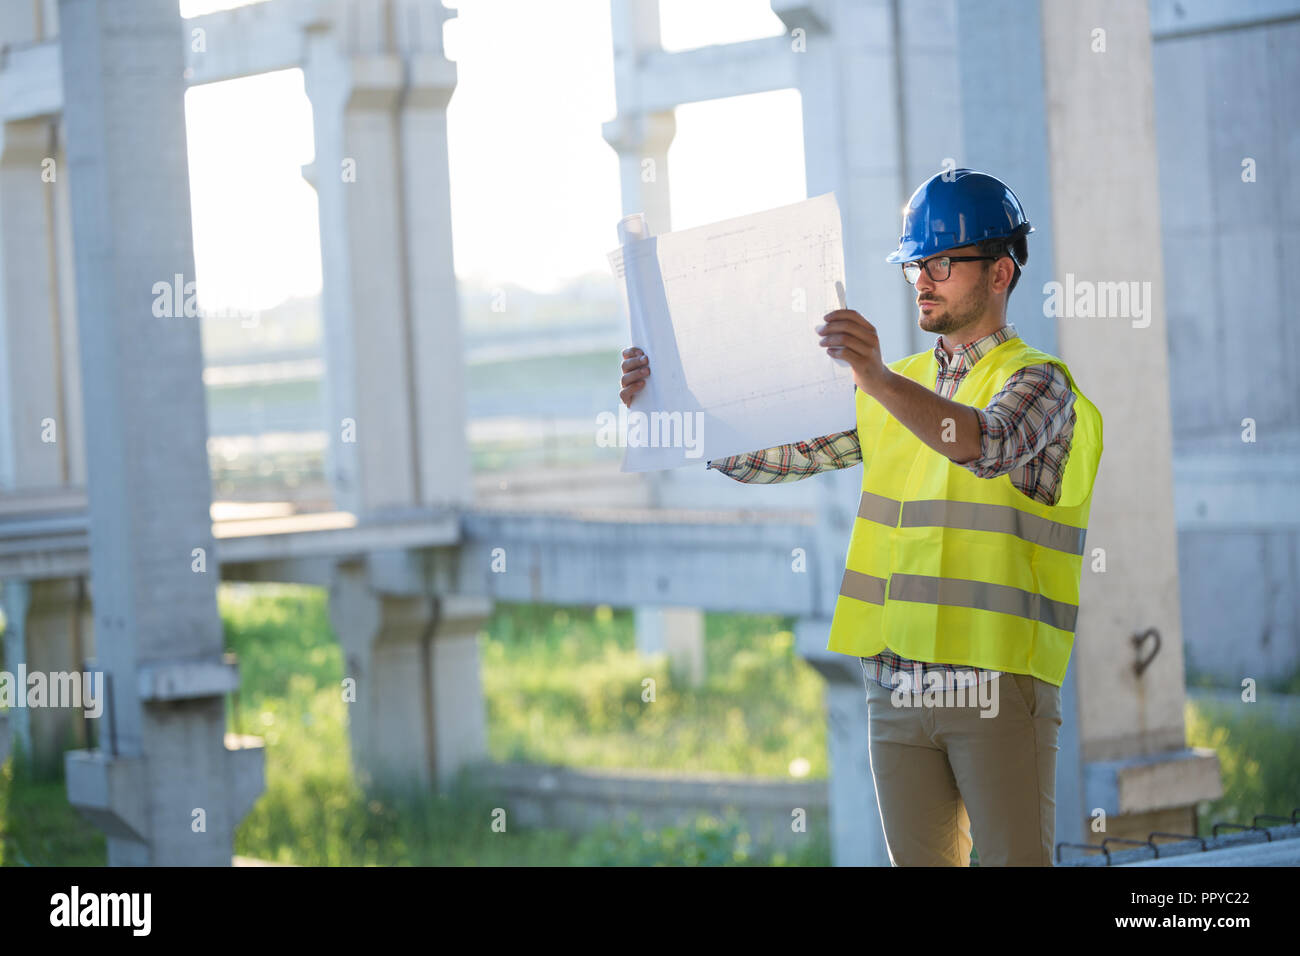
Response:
column 534, row 186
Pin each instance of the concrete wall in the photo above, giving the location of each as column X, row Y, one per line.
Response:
column 1225, row 94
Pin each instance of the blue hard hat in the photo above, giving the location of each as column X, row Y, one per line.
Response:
column 958, row 207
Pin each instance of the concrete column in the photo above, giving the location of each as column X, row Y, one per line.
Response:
column 72, row 433
column 363, row 301
column 1104, row 227
column 436, row 349
column 17, row 598
column 853, row 145
column 39, row 374
column 857, row 834
column 854, row 136
column 929, row 116
column 1100, row 105
column 48, row 632
column 677, row 632
column 166, row 786
column 25, row 23
column 641, row 139
column 1006, row 135
column 1005, row 129
column 34, row 433
column 418, row 715
column 379, row 86
column 41, row 434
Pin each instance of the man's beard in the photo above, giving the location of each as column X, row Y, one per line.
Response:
column 956, row 317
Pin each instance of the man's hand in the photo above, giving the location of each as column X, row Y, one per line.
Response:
column 849, row 336
column 636, row 369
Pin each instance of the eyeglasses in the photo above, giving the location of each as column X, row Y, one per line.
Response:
column 938, row 268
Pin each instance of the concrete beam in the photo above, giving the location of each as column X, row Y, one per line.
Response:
column 335, row 533
column 31, row 83
column 247, row 40
column 578, row 799
column 187, row 679
column 1153, row 781
column 225, row 45
column 815, row 16
column 1236, row 493
column 1178, row 18
column 712, row 73
column 741, row 562
column 36, row 543
column 541, row 550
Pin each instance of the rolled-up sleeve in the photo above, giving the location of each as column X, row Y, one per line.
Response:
column 793, row 461
column 1024, row 417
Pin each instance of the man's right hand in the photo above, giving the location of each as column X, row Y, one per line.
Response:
column 636, row 368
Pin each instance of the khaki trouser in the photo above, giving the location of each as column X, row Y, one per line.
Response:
column 944, row 774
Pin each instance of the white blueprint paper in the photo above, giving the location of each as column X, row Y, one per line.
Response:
column 726, row 314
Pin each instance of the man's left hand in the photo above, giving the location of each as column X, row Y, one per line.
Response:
column 847, row 335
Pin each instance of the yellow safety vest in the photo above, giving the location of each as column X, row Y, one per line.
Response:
column 945, row 566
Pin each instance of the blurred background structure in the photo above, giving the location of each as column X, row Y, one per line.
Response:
column 235, row 345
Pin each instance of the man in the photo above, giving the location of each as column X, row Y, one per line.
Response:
column 962, row 576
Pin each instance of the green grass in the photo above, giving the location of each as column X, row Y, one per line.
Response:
column 561, row 685
column 566, row 685
column 38, row 827
column 1259, row 757
column 548, row 673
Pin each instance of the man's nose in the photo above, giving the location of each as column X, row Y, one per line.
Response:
column 923, row 282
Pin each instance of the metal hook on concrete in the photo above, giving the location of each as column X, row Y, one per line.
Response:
column 1137, row 640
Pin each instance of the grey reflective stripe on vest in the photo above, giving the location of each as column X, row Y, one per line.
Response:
column 863, row 587
column 1002, row 518
column 878, row 508
column 973, row 516
column 983, row 595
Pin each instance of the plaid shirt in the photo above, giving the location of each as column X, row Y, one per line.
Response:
column 1025, row 431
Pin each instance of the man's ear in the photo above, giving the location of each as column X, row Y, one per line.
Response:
column 1006, row 270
